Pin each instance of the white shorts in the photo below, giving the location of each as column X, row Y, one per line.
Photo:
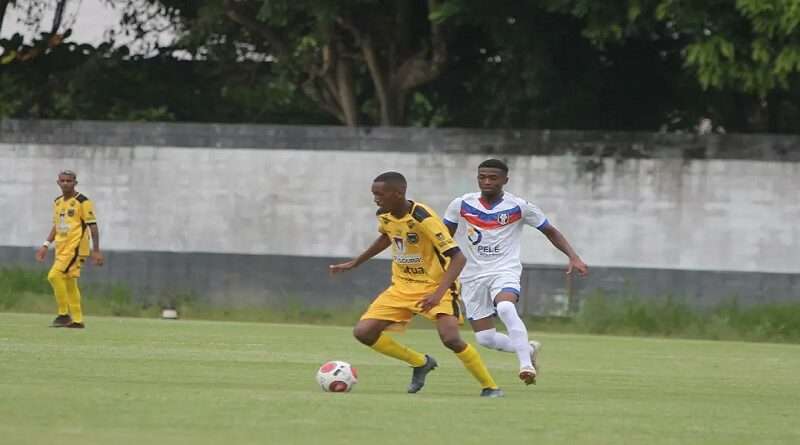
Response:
column 479, row 294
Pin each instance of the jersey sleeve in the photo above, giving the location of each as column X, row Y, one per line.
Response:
column 87, row 210
column 532, row 215
column 452, row 213
column 436, row 231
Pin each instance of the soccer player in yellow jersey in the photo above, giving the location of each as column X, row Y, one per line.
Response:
column 73, row 219
column 425, row 267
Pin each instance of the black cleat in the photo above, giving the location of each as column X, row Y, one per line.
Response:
column 419, row 374
column 492, row 392
column 61, row 321
column 74, row 325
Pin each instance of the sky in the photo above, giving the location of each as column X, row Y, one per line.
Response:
column 91, row 21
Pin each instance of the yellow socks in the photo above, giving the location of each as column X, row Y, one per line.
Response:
column 68, row 297
column 58, row 283
column 474, row 364
column 388, row 346
column 469, row 356
column 74, row 300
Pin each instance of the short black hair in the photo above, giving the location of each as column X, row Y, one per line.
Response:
column 494, row 163
column 393, row 179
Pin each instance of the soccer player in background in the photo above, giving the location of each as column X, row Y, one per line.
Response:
column 488, row 226
column 425, row 267
column 73, row 213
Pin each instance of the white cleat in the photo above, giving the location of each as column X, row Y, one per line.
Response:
column 535, row 348
column 528, row 375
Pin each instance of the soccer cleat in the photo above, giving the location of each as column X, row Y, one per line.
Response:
column 535, row 348
column 419, row 374
column 74, row 325
column 492, row 392
column 528, row 375
column 61, row 321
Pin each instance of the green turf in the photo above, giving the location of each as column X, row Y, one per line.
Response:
column 140, row 381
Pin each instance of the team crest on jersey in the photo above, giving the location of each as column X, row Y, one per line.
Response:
column 412, row 238
column 399, row 244
column 70, row 212
column 474, row 235
column 502, row 218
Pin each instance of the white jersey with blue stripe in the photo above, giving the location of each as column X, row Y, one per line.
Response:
column 490, row 234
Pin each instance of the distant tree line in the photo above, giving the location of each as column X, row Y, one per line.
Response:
column 635, row 65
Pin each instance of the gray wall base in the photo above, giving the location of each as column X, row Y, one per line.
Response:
column 231, row 280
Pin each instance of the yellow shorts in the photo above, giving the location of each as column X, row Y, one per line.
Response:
column 400, row 306
column 69, row 264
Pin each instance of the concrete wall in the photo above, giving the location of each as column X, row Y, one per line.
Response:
column 625, row 201
column 235, row 280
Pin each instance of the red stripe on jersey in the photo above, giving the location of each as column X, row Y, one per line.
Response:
column 493, row 224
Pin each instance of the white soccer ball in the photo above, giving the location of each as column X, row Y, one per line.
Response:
column 337, row 376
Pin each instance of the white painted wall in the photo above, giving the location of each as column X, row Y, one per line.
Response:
column 662, row 213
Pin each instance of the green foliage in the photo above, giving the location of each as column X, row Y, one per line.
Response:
column 84, row 82
column 653, row 65
column 523, row 65
column 746, row 48
column 27, row 290
column 608, row 314
column 447, row 10
column 17, row 283
column 766, row 322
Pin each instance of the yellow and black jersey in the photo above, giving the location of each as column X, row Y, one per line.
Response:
column 421, row 246
column 71, row 218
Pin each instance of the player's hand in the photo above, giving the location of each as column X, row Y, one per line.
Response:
column 41, row 254
column 429, row 302
column 336, row 269
column 97, row 258
column 579, row 265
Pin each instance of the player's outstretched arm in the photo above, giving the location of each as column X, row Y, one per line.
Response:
column 379, row 245
column 560, row 242
column 40, row 255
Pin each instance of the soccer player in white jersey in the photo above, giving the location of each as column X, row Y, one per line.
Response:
column 488, row 227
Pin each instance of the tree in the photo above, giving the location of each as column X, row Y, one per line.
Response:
column 343, row 55
column 744, row 52
column 521, row 65
column 34, row 10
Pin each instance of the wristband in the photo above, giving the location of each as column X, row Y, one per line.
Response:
column 46, row 243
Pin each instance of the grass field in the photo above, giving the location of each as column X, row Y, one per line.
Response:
column 135, row 381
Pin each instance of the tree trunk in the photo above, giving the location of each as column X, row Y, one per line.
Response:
column 395, row 71
column 400, row 73
column 3, row 5
column 347, row 96
column 57, row 17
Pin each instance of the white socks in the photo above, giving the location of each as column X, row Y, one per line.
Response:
column 492, row 339
column 517, row 332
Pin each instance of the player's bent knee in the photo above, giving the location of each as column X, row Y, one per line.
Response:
column 506, row 308
column 365, row 335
